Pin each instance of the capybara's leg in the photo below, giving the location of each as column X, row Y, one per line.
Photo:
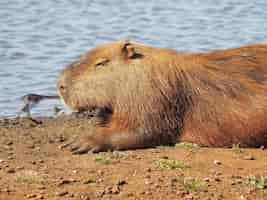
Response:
column 106, row 139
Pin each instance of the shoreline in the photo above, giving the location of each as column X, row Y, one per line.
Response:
column 33, row 166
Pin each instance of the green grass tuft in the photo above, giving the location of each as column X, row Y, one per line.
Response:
column 236, row 148
column 103, row 160
column 118, row 155
column 258, row 182
column 30, row 179
column 192, row 185
column 171, row 164
column 188, row 145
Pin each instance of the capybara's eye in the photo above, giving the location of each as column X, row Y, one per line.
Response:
column 101, row 62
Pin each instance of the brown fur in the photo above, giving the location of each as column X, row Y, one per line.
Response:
column 160, row 97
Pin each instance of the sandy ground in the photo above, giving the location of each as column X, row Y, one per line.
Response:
column 33, row 166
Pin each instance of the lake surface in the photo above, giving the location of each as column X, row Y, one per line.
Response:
column 37, row 38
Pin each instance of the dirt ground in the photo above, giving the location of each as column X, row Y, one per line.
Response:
column 34, row 166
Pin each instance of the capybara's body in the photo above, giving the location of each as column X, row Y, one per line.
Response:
column 158, row 96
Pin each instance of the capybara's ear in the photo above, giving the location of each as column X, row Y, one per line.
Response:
column 129, row 51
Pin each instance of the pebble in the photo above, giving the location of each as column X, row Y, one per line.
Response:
column 115, row 190
column 217, row 179
column 121, row 182
column 86, row 198
column 31, row 146
column 189, row 196
column 99, row 194
column 249, row 157
column 217, row 162
column 41, row 187
column 40, row 197
column 1, row 161
column 148, row 182
column 30, row 196
column 147, row 176
column 148, row 170
column 11, row 171
column 207, row 179
column 20, row 168
column 60, row 139
column 164, row 157
column 9, row 143
column 62, row 193
column 66, row 181
column 7, row 190
column 112, row 190
column 100, row 172
column 33, row 162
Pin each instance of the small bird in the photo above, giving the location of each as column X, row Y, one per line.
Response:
column 31, row 100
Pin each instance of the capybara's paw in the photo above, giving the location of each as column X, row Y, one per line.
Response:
column 83, row 145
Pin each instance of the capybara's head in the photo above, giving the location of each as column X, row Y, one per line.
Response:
column 106, row 73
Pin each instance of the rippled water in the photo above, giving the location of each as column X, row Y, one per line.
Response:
column 37, row 38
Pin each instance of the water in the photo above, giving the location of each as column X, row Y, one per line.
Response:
column 37, row 38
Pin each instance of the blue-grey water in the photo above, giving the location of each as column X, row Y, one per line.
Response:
column 37, row 38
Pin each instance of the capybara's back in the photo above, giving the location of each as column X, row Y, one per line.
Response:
column 152, row 96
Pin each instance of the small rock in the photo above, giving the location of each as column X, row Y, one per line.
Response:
column 1, row 161
column 164, row 157
column 115, row 190
column 89, row 181
column 217, row 162
column 148, row 170
column 112, row 190
column 41, row 187
column 71, row 195
column 236, row 176
column 11, row 171
column 10, row 157
column 190, row 196
column 66, row 181
column 32, row 146
column 100, row 172
column 242, row 197
column 148, row 193
column 9, row 143
column 33, row 162
column 30, row 196
column 207, row 179
column 62, row 193
column 148, row 182
column 20, row 168
column 147, row 176
column 217, row 179
column 40, row 197
column 220, row 196
column 99, row 194
column 86, row 197
column 249, row 157
column 218, row 173
column 7, row 190
column 121, row 182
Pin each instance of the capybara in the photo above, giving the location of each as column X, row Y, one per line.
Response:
column 154, row 96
